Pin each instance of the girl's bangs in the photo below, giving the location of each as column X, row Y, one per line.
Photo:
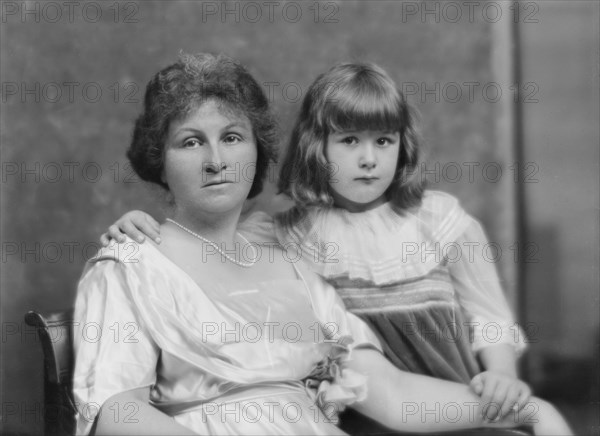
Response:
column 363, row 108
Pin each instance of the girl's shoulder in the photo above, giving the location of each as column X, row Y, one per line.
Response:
column 441, row 212
column 369, row 245
column 437, row 203
column 440, row 218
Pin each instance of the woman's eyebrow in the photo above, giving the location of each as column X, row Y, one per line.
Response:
column 239, row 124
column 187, row 129
column 191, row 129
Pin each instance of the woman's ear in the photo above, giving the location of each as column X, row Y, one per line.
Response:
column 163, row 177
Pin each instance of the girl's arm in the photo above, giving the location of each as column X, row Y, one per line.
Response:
column 497, row 339
column 412, row 402
column 135, row 224
column 499, row 384
column 129, row 413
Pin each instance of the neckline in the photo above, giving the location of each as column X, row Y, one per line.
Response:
column 182, row 272
column 384, row 205
column 177, row 269
column 385, row 211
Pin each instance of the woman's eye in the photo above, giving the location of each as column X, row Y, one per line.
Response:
column 191, row 143
column 349, row 140
column 232, row 139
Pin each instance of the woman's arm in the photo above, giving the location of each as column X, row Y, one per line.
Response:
column 412, row 402
column 114, row 351
column 129, row 413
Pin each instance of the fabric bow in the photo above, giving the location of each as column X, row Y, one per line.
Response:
column 333, row 387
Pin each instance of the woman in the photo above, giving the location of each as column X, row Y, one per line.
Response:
column 209, row 333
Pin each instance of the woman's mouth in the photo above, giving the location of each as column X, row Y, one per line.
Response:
column 217, row 183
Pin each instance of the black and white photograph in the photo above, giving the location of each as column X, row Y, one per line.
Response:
column 300, row 217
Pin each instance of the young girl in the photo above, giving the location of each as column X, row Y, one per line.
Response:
column 409, row 262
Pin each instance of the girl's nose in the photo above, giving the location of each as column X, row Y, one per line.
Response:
column 368, row 160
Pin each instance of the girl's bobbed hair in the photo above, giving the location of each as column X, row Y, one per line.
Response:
column 350, row 96
column 184, row 86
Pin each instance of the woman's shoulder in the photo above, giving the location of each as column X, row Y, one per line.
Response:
column 127, row 252
column 258, row 227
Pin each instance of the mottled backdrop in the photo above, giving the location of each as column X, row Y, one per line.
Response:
column 508, row 101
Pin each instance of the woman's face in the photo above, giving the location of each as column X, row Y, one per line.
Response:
column 210, row 160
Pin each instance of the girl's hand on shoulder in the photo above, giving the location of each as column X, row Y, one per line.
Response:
column 135, row 224
column 501, row 393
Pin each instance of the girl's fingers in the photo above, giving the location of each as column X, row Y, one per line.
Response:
column 153, row 223
column 487, row 397
column 476, row 384
column 497, row 400
column 151, row 229
column 115, row 233
column 104, row 240
column 524, row 397
column 130, row 230
column 512, row 395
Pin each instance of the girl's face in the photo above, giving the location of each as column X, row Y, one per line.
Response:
column 363, row 164
column 210, row 160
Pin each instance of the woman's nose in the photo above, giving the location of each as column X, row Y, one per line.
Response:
column 368, row 160
column 215, row 163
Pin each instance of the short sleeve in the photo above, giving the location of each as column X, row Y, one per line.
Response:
column 337, row 322
column 480, row 294
column 113, row 351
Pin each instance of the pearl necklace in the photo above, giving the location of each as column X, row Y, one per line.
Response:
column 216, row 247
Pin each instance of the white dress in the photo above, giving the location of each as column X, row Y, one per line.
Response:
column 263, row 360
column 424, row 280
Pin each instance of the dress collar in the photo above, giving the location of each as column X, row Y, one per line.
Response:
column 380, row 245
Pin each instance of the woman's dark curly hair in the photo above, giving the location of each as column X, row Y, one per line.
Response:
column 183, row 86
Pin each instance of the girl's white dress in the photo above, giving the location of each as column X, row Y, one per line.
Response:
column 424, row 280
column 259, row 360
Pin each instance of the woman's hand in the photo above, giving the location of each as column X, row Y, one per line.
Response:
column 148, row 420
column 135, row 224
column 501, row 393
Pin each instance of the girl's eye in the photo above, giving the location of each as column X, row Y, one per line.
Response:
column 349, row 140
column 191, row 143
column 232, row 139
column 384, row 141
